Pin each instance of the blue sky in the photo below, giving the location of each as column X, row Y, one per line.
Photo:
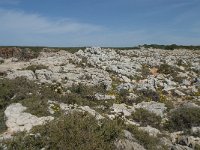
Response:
column 99, row 22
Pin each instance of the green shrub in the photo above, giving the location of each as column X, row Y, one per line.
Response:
column 171, row 47
column 183, row 118
column 35, row 106
column 180, row 62
column 145, row 71
column 35, row 97
column 2, row 121
column 147, row 95
column 88, row 91
column 166, row 69
column 123, row 93
column 1, row 61
column 21, row 90
column 178, row 79
column 197, row 147
column 12, row 91
column 74, row 131
column 145, row 117
column 143, row 138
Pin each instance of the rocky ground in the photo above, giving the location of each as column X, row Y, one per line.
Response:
column 135, row 99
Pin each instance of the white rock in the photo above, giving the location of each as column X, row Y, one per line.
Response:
column 44, row 75
column 92, row 112
column 152, row 131
column 154, row 107
column 195, row 130
column 122, row 108
column 18, row 120
column 21, row 73
column 104, row 97
column 125, row 79
column 179, row 93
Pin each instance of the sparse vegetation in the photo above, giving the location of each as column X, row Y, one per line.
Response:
column 157, row 96
column 36, row 106
column 88, row 91
column 178, row 79
column 171, row 47
column 2, row 120
column 147, row 95
column 197, row 147
column 166, row 69
column 1, row 61
column 144, row 117
column 75, row 131
column 149, row 142
column 145, row 71
column 183, row 118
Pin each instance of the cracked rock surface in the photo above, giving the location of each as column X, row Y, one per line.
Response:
column 18, row 120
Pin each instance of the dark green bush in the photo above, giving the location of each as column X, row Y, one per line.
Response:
column 197, row 147
column 145, row 71
column 35, row 106
column 147, row 95
column 183, row 118
column 16, row 90
column 171, row 47
column 166, row 69
column 145, row 117
column 1, row 61
column 2, row 121
column 11, row 91
column 74, row 131
column 87, row 91
column 27, row 54
column 143, row 138
column 123, row 93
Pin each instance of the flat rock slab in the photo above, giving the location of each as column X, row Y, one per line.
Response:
column 154, row 107
column 18, row 120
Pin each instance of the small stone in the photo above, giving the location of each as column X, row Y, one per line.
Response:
column 179, row 93
column 125, row 79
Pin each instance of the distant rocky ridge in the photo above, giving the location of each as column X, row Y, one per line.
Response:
column 10, row 52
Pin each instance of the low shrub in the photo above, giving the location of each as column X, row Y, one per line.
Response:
column 143, row 138
column 87, row 91
column 157, row 96
column 78, row 131
column 166, row 69
column 2, row 121
column 16, row 90
column 183, row 118
column 36, row 106
column 1, row 61
column 147, row 95
column 145, row 71
column 29, row 53
column 171, row 47
column 197, row 147
column 11, row 91
column 145, row 117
